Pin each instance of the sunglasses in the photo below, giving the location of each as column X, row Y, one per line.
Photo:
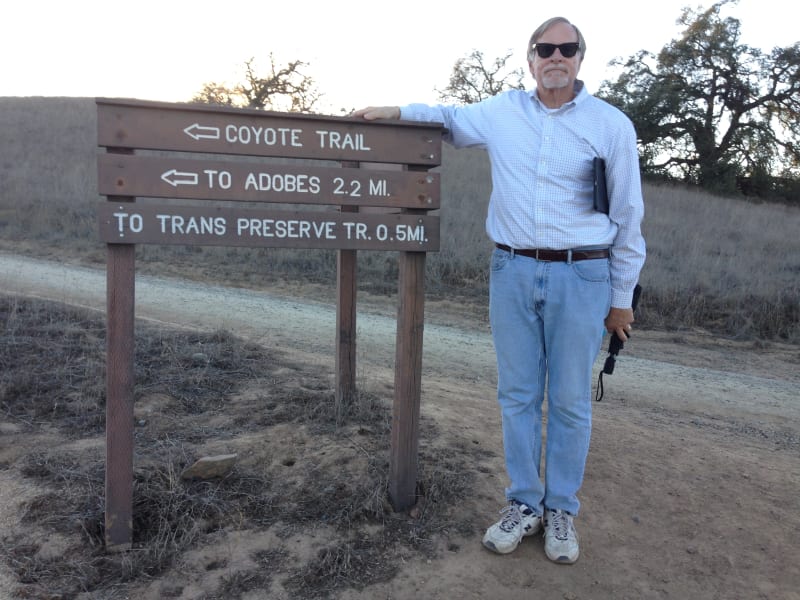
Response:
column 567, row 50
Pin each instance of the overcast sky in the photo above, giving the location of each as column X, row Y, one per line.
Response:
column 358, row 53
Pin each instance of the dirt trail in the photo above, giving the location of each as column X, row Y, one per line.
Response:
column 309, row 327
column 692, row 483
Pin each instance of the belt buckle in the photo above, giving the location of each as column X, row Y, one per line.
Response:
column 568, row 259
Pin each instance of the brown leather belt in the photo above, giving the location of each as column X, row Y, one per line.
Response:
column 557, row 255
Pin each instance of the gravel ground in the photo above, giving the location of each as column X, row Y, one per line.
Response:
column 691, row 488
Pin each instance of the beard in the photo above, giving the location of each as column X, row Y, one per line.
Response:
column 555, row 79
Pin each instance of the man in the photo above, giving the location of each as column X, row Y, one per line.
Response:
column 560, row 272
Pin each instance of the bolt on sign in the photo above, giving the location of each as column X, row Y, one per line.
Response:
column 239, row 177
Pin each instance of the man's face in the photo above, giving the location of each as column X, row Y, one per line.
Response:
column 556, row 72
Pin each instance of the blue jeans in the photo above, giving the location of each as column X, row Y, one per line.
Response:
column 547, row 325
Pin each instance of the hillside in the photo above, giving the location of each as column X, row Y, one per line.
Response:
column 721, row 264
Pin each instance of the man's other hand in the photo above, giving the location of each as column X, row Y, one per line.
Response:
column 619, row 321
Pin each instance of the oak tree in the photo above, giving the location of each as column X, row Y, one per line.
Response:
column 284, row 88
column 711, row 110
column 474, row 79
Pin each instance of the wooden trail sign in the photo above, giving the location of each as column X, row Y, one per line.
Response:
column 216, row 226
column 157, row 177
column 349, row 185
column 208, row 129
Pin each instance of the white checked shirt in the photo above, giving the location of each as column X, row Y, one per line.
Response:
column 542, row 175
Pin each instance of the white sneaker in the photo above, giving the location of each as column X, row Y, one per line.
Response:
column 518, row 521
column 560, row 537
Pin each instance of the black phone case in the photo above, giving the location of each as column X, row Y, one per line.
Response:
column 600, row 191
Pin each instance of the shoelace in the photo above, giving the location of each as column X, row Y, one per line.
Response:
column 560, row 524
column 511, row 519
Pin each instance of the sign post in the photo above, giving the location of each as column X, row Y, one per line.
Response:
column 208, row 155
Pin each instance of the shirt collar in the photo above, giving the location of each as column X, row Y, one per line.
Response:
column 580, row 96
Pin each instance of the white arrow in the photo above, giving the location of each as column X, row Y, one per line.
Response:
column 176, row 178
column 198, row 132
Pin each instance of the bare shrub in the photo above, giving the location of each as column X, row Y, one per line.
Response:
column 339, row 483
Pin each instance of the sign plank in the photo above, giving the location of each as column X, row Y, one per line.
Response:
column 217, row 130
column 125, row 223
column 167, row 177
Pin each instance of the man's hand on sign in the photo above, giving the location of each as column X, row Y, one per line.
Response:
column 371, row 113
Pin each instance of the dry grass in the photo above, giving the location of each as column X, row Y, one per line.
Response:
column 726, row 265
column 236, row 393
column 722, row 264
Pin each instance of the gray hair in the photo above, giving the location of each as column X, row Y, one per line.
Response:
column 547, row 25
